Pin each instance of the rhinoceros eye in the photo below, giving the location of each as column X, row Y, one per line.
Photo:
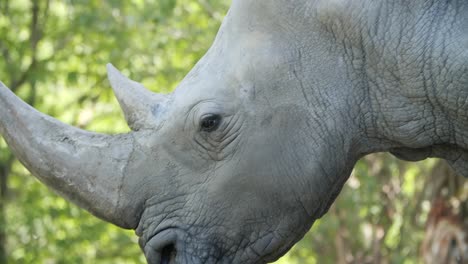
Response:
column 210, row 122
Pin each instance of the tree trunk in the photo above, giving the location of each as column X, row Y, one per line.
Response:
column 5, row 167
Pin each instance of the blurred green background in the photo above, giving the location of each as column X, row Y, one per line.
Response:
column 53, row 55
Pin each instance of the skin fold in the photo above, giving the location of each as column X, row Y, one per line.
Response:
column 257, row 140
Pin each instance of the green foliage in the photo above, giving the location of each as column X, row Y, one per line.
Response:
column 53, row 56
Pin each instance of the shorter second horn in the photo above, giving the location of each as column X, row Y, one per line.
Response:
column 138, row 104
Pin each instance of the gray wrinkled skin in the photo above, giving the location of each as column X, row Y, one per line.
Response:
column 300, row 89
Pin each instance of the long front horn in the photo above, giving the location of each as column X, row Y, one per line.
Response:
column 87, row 168
column 140, row 106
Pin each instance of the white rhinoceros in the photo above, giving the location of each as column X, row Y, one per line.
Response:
column 256, row 142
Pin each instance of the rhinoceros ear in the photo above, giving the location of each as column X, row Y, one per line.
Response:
column 139, row 105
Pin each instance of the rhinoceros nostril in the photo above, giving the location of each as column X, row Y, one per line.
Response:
column 168, row 254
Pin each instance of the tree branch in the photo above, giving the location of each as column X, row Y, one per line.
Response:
column 34, row 39
column 6, row 54
column 208, row 8
column 3, row 48
column 23, row 77
column 6, row 6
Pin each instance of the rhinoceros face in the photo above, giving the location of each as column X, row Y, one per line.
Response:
column 232, row 167
column 223, row 193
column 223, row 170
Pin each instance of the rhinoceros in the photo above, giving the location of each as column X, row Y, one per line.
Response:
column 256, row 142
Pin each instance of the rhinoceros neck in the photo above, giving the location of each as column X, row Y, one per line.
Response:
column 409, row 66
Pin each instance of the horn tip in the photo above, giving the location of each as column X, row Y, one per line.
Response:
column 4, row 90
column 111, row 70
column 110, row 66
column 2, row 85
column 115, row 77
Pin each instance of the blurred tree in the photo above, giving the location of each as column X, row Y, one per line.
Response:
column 54, row 55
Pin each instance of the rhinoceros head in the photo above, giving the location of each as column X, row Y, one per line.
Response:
column 234, row 166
